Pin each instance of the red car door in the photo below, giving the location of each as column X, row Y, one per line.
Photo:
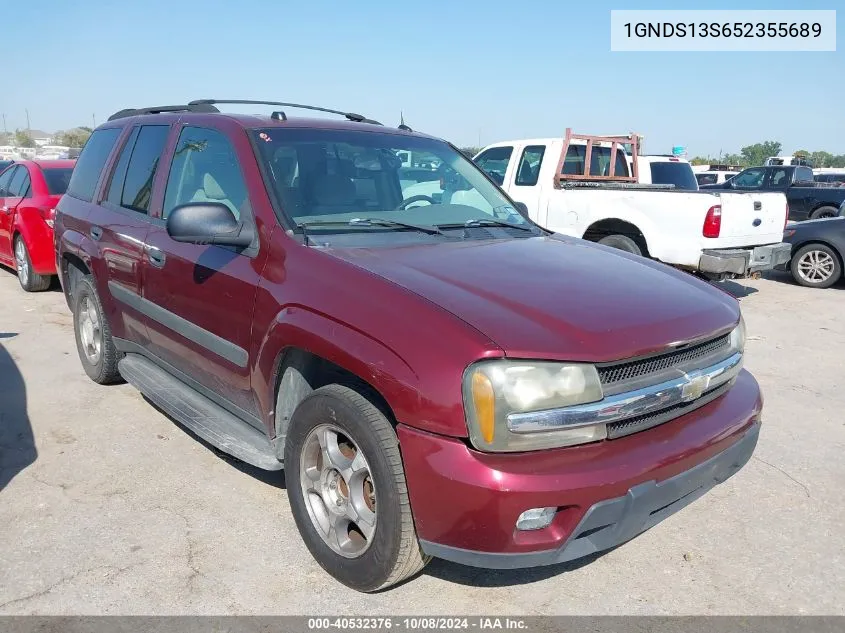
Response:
column 18, row 183
column 6, row 205
column 201, row 296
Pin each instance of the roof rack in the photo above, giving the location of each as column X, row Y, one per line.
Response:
column 190, row 107
column 616, row 143
column 358, row 118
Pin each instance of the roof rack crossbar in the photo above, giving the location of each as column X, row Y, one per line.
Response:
column 358, row 118
column 190, row 107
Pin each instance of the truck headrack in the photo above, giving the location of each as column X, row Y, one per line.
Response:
column 616, row 143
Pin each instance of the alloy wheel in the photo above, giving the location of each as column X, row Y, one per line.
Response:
column 21, row 262
column 90, row 332
column 816, row 267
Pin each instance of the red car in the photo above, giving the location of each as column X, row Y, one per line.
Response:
column 438, row 375
column 29, row 193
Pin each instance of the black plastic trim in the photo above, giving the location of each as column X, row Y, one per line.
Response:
column 210, row 341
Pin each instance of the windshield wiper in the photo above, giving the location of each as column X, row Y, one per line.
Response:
column 422, row 228
column 485, row 222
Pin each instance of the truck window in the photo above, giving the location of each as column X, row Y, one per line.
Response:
column 576, row 156
column 750, row 178
column 780, row 178
column 803, row 174
column 706, row 179
column 672, row 173
column 494, row 161
column 529, row 165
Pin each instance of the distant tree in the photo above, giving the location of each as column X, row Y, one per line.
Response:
column 702, row 160
column 820, row 159
column 470, row 151
column 758, row 153
column 736, row 159
column 23, row 139
column 73, row 138
column 801, row 153
column 837, row 161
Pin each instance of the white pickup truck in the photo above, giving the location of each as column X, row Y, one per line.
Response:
column 568, row 186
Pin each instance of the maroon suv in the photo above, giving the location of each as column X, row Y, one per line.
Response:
column 361, row 304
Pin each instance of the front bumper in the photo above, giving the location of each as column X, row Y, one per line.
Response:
column 466, row 503
column 744, row 261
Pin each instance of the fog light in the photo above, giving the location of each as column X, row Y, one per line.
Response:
column 535, row 518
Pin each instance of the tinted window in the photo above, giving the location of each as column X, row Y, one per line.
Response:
column 57, row 179
column 803, row 174
column 141, row 171
column 115, row 192
column 86, row 174
column 19, row 182
column 780, row 177
column 749, row 178
column 706, row 179
column 205, row 169
column 529, row 165
column 672, row 173
column 5, row 178
column 494, row 161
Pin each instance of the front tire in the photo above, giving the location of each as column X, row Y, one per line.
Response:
column 816, row 266
column 347, row 490
column 93, row 335
column 30, row 280
column 623, row 243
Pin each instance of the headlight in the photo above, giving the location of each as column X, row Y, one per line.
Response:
column 498, row 393
column 738, row 336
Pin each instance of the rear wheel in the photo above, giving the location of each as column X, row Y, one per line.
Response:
column 347, row 490
column 28, row 278
column 93, row 335
column 816, row 266
column 622, row 242
column 824, row 212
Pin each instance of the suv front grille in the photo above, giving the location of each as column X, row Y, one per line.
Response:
column 683, row 359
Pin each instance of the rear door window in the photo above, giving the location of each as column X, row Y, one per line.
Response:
column 528, row 171
column 92, row 159
column 57, row 179
column 5, row 179
column 19, row 183
column 494, row 162
column 141, row 171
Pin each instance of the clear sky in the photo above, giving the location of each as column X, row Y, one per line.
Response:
column 461, row 69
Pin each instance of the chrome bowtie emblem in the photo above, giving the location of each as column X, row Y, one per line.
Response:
column 695, row 387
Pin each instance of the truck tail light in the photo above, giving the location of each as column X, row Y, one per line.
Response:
column 49, row 215
column 712, row 221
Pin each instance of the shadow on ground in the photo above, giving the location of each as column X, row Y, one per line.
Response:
column 17, row 443
column 736, row 289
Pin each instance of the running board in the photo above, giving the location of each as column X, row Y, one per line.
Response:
column 199, row 414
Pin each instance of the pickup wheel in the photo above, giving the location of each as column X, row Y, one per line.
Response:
column 824, row 212
column 28, row 278
column 347, row 490
column 93, row 335
column 816, row 266
column 622, row 242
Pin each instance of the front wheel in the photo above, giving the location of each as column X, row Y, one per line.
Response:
column 816, row 266
column 347, row 490
column 28, row 278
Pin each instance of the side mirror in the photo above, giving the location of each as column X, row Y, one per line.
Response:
column 207, row 223
column 522, row 208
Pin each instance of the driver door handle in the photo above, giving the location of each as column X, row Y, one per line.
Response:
column 155, row 256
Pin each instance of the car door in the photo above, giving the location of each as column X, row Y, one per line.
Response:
column 201, row 296
column 7, row 205
column 119, row 226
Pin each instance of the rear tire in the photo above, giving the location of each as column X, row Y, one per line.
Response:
column 339, row 441
column 30, row 280
column 94, row 343
column 816, row 266
column 824, row 212
column 623, row 243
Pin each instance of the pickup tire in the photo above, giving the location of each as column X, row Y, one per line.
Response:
column 347, row 490
column 816, row 266
column 622, row 242
column 824, row 212
column 28, row 278
column 94, row 342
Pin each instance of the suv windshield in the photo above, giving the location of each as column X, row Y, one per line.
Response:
column 674, row 173
column 337, row 179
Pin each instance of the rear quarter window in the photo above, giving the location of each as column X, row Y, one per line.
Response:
column 86, row 174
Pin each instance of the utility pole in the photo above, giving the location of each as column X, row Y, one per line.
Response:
column 93, row 121
column 5, row 131
column 27, row 121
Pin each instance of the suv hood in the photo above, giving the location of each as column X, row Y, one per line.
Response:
column 556, row 297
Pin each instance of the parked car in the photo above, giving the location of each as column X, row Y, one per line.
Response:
column 29, row 193
column 719, row 236
column 818, row 247
column 272, row 286
column 788, row 160
column 666, row 170
column 837, row 177
column 806, row 198
column 714, row 174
